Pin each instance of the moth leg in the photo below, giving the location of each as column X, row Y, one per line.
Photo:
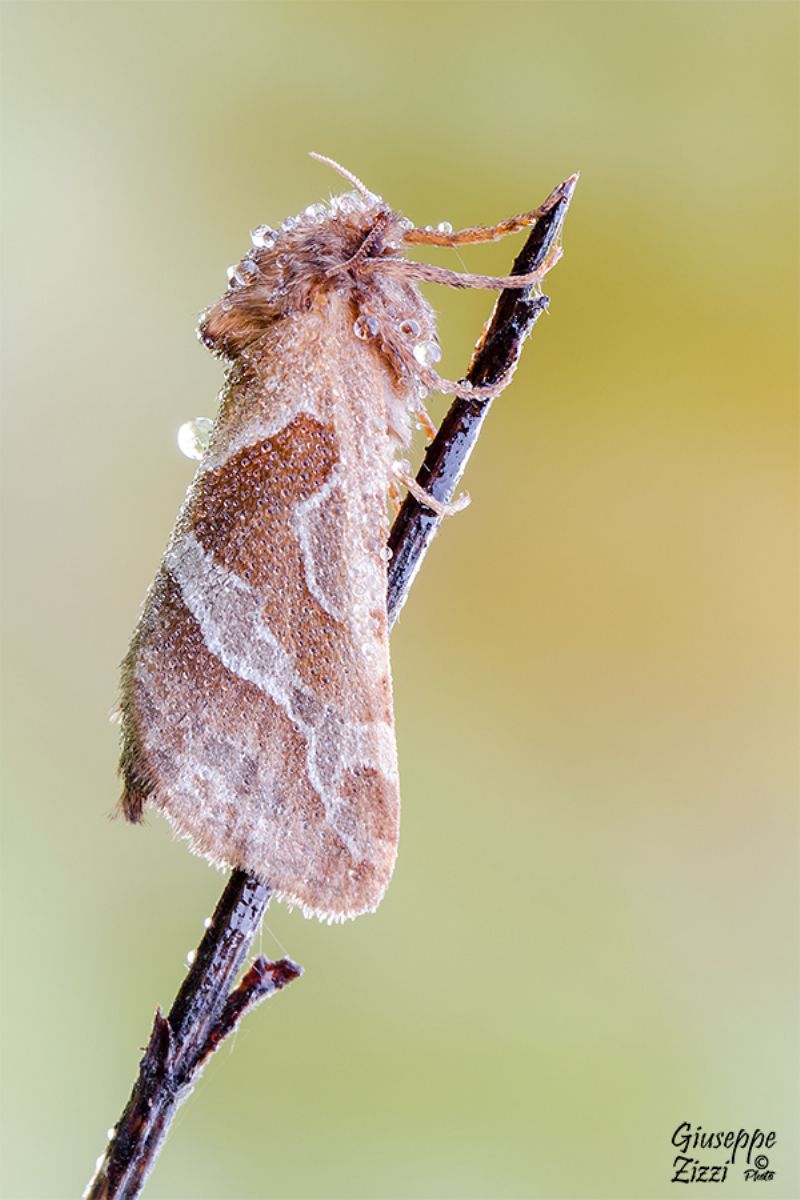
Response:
column 395, row 495
column 466, row 390
column 421, row 413
column 554, row 254
column 428, row 273
column 489, row 233
column 402, row 469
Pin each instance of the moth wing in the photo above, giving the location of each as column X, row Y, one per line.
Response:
column 256, row 695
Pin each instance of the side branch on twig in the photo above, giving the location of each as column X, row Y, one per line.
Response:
column 208, row 1005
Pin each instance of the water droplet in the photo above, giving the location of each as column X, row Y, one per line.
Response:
column 427, row 353
column 444, row 227
column 243, row 274
column 263, row 235
column 365, row 327
column 410, row 327
column 388, row 554
column 316, row 212
column 191, row 956
column 110, row 1132
column 231, row 271
column 194, row 437
column 350, row 202
column 466, row 385
column 207, row 923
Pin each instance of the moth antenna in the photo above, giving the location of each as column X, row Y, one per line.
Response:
column 348, row 175
column 363, row 250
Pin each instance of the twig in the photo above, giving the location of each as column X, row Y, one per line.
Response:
column 208, row 1006
column 204, row 1012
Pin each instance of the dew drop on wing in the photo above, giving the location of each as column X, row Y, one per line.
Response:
column 365, row 327
column 246, row 272
column 194, row 437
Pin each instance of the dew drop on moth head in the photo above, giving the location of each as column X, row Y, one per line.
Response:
column 256, row 694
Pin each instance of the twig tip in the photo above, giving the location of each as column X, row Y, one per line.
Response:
column 569, row 185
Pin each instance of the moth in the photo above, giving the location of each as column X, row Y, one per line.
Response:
column 256, row 701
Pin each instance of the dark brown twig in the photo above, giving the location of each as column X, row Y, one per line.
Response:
column 208, row 1006
column 206, row 1009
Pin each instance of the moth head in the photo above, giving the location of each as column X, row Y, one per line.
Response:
column 334, row 247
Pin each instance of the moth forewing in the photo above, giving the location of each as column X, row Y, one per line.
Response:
column 256, row 695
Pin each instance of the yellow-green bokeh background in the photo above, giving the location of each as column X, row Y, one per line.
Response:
column 590, row 935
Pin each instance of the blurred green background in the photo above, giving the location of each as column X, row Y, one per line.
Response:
column 590, row 937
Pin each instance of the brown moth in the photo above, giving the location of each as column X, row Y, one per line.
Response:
column 256, row 700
